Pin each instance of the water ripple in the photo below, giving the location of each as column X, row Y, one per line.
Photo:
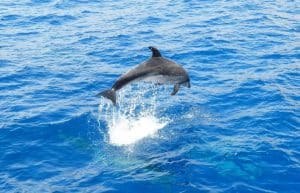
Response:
column 235, row 130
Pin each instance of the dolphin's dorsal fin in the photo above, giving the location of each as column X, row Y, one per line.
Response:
column 155, row 52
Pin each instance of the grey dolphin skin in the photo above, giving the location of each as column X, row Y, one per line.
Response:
column 157, row 69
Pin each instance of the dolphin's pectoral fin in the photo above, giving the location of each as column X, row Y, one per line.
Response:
column 176, row 89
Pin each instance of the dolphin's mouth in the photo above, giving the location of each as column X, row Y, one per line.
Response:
column 187, row 84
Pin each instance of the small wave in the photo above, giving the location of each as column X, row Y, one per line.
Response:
column 53, row 19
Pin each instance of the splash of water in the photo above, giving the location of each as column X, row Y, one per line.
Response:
column 134, row 117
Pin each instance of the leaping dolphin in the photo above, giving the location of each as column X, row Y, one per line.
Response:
column 157, row 69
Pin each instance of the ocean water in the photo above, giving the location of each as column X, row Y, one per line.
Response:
column 237, row 129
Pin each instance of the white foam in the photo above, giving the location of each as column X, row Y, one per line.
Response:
column 134, row 118
column 126, row 131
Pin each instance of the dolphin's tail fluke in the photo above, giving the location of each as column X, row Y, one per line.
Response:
column 110, row 94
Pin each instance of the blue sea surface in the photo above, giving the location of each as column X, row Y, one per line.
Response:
column 237, row 129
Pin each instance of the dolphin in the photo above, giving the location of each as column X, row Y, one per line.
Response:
column 157, row 70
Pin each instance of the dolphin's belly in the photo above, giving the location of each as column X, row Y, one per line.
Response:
column 163, row 79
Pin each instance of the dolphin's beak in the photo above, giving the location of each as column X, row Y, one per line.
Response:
column 187, row 84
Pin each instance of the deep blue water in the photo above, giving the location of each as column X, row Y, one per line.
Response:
column 237, row 129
